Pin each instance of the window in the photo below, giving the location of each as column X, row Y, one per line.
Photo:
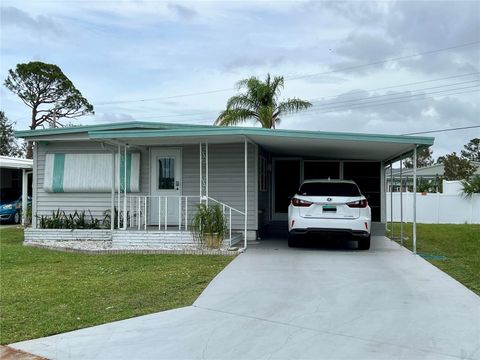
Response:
column 166, row 173
column 328, row 189
column 263, row 174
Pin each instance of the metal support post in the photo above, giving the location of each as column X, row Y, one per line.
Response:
column 391, row 202
column 125, row 188
column 401, row 202
column 24, row 196
column 206, row 171
column 415, row 199
column 112, row 203
column 119, row 193
column 246, row 191
column 201, row 171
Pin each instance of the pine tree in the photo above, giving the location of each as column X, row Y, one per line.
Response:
column 9, row 146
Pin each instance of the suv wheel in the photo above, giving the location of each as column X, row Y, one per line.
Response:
column 364, row 244
column 17, row 217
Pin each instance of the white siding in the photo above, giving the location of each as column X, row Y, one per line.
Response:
column 226, row 178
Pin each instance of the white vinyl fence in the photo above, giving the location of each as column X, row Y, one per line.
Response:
column 436, row 208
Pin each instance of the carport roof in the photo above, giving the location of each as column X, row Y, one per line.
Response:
column 318, row 144
column 15, row 163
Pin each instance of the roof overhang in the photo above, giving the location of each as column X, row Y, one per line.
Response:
column 15, row 163
column 315, row 144
column 320, row 145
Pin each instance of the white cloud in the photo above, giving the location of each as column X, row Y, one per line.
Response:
column 146, row 49
column 17, row 18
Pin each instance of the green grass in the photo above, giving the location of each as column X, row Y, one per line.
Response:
column 460, row 244
column 45, row 292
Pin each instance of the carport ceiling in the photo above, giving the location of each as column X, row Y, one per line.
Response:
column 333, row 149
column 314, row 144
column 366, row 147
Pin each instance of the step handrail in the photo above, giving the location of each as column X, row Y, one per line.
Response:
column 227, row 206
column 136, row 210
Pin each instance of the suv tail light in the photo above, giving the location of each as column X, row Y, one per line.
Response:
column 301, row 203
column 358, row 204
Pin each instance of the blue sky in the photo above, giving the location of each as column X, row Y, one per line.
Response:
column 122, row 51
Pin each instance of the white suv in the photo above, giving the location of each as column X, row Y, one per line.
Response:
column 330, row 207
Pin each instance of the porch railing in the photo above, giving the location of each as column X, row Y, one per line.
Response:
column 136, row 212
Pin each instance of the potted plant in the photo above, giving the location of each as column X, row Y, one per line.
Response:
column 209, row 225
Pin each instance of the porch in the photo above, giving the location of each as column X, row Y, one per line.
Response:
column 156, row 221
column 163, row 214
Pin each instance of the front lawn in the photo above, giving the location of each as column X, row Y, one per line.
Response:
column 459, row 244
column 45, row 292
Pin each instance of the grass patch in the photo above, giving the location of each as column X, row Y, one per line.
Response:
column 45, row 292
column 459, row 244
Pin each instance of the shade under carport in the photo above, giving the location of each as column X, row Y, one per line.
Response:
column 26, row 165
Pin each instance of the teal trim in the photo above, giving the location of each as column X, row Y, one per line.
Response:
column 229, row 131
column 101, row 127
column 129, row 172
column 122, row 172
column 125, row 182
column 142, row 129
column 58, row 171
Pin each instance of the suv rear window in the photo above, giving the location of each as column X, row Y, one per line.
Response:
column 328, row 189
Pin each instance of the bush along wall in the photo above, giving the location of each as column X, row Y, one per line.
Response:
column 77, row 220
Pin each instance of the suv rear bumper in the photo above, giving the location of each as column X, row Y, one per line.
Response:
column 331, row 232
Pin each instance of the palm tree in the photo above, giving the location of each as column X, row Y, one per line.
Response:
column 260, row 102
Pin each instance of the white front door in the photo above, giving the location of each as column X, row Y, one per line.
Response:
column 165, row 181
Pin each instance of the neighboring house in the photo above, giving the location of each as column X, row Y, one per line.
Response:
column 433, row 173
column 164, row 169
column 15, row 186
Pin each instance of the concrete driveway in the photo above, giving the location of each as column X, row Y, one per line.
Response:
column 278, row 303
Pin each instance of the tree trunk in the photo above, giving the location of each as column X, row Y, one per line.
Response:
column 33, row 125
column 29, row 150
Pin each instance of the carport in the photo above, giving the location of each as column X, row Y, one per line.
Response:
column 16, row 173
column 287, row 158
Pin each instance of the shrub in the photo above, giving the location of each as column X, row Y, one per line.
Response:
column 209, row 225
column 471, row 186
column 77, row 220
